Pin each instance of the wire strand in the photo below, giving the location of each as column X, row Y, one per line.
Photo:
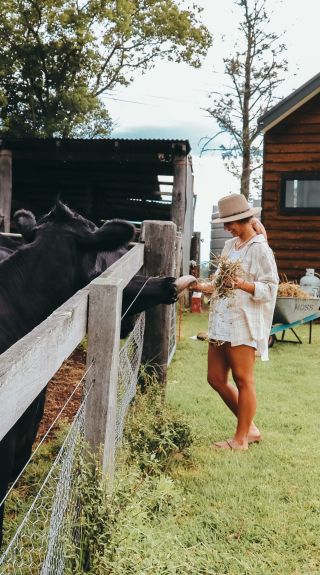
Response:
column 47, row 432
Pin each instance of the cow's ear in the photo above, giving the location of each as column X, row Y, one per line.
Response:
column 111, row 236
column 25, row 222
column 61, row 212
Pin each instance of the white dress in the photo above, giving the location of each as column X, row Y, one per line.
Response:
column 220, row 317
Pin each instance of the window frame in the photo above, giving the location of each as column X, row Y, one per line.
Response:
column 297, row 176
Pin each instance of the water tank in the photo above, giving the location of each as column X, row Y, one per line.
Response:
column 218, row 235
column 310, row 283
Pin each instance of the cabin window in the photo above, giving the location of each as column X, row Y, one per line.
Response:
column 301, row 194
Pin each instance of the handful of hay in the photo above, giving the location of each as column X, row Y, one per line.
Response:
column 291, row 289
column 227, row 272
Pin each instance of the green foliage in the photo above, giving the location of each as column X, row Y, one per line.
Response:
column 59, row 56
column 154, row 433
column 110, row 522
column 31, row 480
column 142, row 496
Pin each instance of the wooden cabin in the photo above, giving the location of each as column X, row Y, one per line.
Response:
column 101, row 179
column 291, row 179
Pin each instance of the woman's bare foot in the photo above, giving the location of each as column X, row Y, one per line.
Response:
column 254, row 435
column 231, row 444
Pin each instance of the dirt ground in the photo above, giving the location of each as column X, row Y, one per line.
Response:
column 60, row 388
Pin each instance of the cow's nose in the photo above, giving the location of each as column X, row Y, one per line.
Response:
column 184, row 282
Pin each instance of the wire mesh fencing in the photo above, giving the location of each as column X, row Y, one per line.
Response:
column 38, row 545
column 172, row 333
column 129, row 363
column 49, row 528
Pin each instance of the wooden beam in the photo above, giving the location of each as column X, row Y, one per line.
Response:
column 5, row 189
column 178, row 208
column 105, row 301
column 159, row 260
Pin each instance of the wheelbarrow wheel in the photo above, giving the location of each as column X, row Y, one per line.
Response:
column 272, row 339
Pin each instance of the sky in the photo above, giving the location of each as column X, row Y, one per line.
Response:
column 169, row 100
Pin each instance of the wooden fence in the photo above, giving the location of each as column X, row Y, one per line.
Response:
column 30, row 363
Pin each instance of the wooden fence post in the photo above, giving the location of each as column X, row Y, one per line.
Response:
column 105, row 301
column 159, row 260
column 5, row 189
column 103, row 353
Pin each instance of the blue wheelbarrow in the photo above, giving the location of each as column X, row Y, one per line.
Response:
column 291, row 312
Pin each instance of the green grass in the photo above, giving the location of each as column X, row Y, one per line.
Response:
column 198, row 511
column 255, row 512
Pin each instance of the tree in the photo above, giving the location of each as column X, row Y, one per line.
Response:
column 59, row 56
column 254, row 71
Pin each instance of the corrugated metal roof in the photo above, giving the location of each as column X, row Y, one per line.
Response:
column 290, row 104
column 144, row 145
column 102, row 178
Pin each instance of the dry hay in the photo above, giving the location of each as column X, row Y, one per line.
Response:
column 226, row 274
column 291, row 289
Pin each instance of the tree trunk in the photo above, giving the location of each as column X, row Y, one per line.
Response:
column 245, row 175
column 246, row 149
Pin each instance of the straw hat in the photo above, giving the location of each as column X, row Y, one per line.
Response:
column 234, row 207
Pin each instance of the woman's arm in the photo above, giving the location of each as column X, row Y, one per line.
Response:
column 263, row 269
column 205, row 287
column 259, row 227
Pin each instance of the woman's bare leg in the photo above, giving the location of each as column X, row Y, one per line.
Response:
column 218, row 371
column 219, row 364
column 241, row 360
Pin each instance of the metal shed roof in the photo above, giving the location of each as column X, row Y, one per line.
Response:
column 102, row 178
column 290, row 104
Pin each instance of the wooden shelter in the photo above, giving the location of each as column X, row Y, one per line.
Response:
column 102, row 179
column 291, row 179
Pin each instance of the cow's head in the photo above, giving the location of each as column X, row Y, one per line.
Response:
column 110, row 236
column 65, row 243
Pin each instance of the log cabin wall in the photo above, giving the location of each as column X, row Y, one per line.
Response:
column 292, row 148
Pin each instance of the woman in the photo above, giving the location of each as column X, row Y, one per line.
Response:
column 239, row 326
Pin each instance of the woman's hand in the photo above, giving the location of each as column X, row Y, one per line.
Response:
column 240, row 283
column 258, row 227
column 207, row 288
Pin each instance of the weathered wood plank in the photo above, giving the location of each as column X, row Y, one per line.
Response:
column 293, row 157
column 294, row 138
column 301, row 166
column 160, row 239
column 299, row 255
column 295, row 129
column 103, row 355
column 105, row 301
column 280, row 221
column 310, row 236
column 293, row 148
column 127, row 266
column 178, row 207
column 296, row 264
column 5, row 189
column 29, row 364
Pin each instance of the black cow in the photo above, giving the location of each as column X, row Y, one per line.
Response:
column 8, row 245
column 63, row 254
